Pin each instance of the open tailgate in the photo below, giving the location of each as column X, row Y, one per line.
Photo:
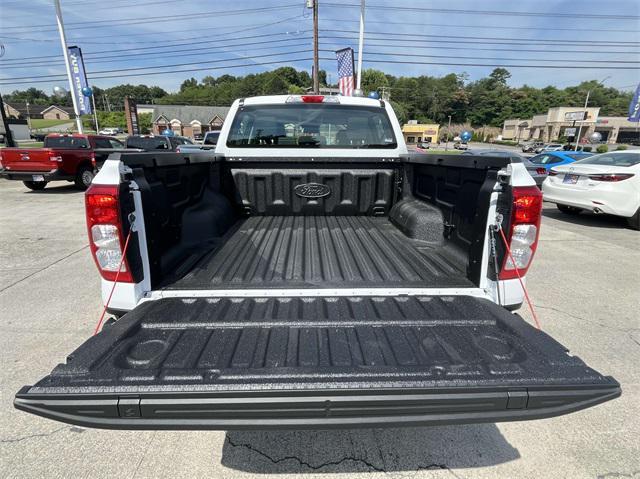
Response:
column 257, row 363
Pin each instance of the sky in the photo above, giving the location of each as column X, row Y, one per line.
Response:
column 123, row 40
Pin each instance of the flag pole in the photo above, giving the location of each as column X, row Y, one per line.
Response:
column 360, row 45
column 65, row 52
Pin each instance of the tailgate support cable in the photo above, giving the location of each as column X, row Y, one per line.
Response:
column 115, row 280
column 498, row 227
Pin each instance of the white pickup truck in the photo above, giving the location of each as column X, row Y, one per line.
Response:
column 310, row 273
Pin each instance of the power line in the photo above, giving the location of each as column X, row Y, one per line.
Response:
column 156, row 19
column 555, row 67
column 502, row 39
column 393, row 42
column 191, row 70
column 193, row 51
column 388, row 37
column 270, row 46
column 91, row 54
column 125, row 58
column 478, row 26
column 200, row 62
column 485, row 12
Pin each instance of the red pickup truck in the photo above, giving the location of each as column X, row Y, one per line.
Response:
column 64, row 157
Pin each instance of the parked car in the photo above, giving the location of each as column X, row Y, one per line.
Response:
column 608, row 183
column 38, row 136
column 209, row 143
column 549, row 147
column 63, row 158
column 537, row 172
column 156, row 142
column 531, row 147
column 459, row 145
column 293, row 281
column 111, row 131
column 211, row 137
column 558, row 158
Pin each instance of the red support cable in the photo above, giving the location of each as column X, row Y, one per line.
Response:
column 526, row 293
column 115, row 282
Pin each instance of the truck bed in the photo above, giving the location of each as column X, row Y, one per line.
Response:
column 320, row 251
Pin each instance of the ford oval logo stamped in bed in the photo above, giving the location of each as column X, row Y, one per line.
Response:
column 312, row 190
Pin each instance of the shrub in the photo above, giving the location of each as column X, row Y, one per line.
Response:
column 587, row 149
column 621, row 147
column 602, row 149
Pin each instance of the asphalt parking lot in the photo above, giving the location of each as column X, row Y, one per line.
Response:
column 585, row 283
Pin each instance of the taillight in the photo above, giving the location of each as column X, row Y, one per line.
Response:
column 93, row 159
column 54, row 158
column 1, row 166
column 525, row 228
column 105, row 232
column 541, row 171
column 611, row 177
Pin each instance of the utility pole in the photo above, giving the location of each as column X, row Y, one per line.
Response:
column 446, row 146
column 360, row 45
column 95, row 111
column 8, row 134
column 65, row 52
column 28, row 117
column 316, row 65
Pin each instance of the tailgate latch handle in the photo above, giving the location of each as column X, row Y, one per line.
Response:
column 129, row 407
column 517, row 399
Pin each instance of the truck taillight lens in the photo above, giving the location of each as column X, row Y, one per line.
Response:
column 105, row 232
column 541, row 171
column 54, row 157
column 525, row 228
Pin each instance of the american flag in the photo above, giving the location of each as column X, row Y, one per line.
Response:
column 345, row 71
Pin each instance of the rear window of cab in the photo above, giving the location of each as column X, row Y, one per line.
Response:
column 311, row 125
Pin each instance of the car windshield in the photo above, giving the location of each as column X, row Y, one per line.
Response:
column 70, row 142
column 147, row 143
column 612, row 159
column 311, row 125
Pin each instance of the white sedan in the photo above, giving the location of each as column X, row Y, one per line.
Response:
column 607, row 183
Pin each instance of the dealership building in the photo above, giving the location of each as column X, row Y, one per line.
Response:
column 415, row 132
column 564, row 122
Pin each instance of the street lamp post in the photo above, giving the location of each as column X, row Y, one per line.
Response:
column 360, row 46
column 446, row 145
column 586, row 103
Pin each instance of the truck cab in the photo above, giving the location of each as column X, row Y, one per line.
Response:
column 311, row 273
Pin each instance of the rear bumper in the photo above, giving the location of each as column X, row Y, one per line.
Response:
column 52, row 175
column 315, row 409
column 600, row 199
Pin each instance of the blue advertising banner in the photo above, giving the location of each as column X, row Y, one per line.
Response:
column 79, row 78
column 634, row 106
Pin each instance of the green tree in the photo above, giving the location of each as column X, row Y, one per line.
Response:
column 373, row 80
